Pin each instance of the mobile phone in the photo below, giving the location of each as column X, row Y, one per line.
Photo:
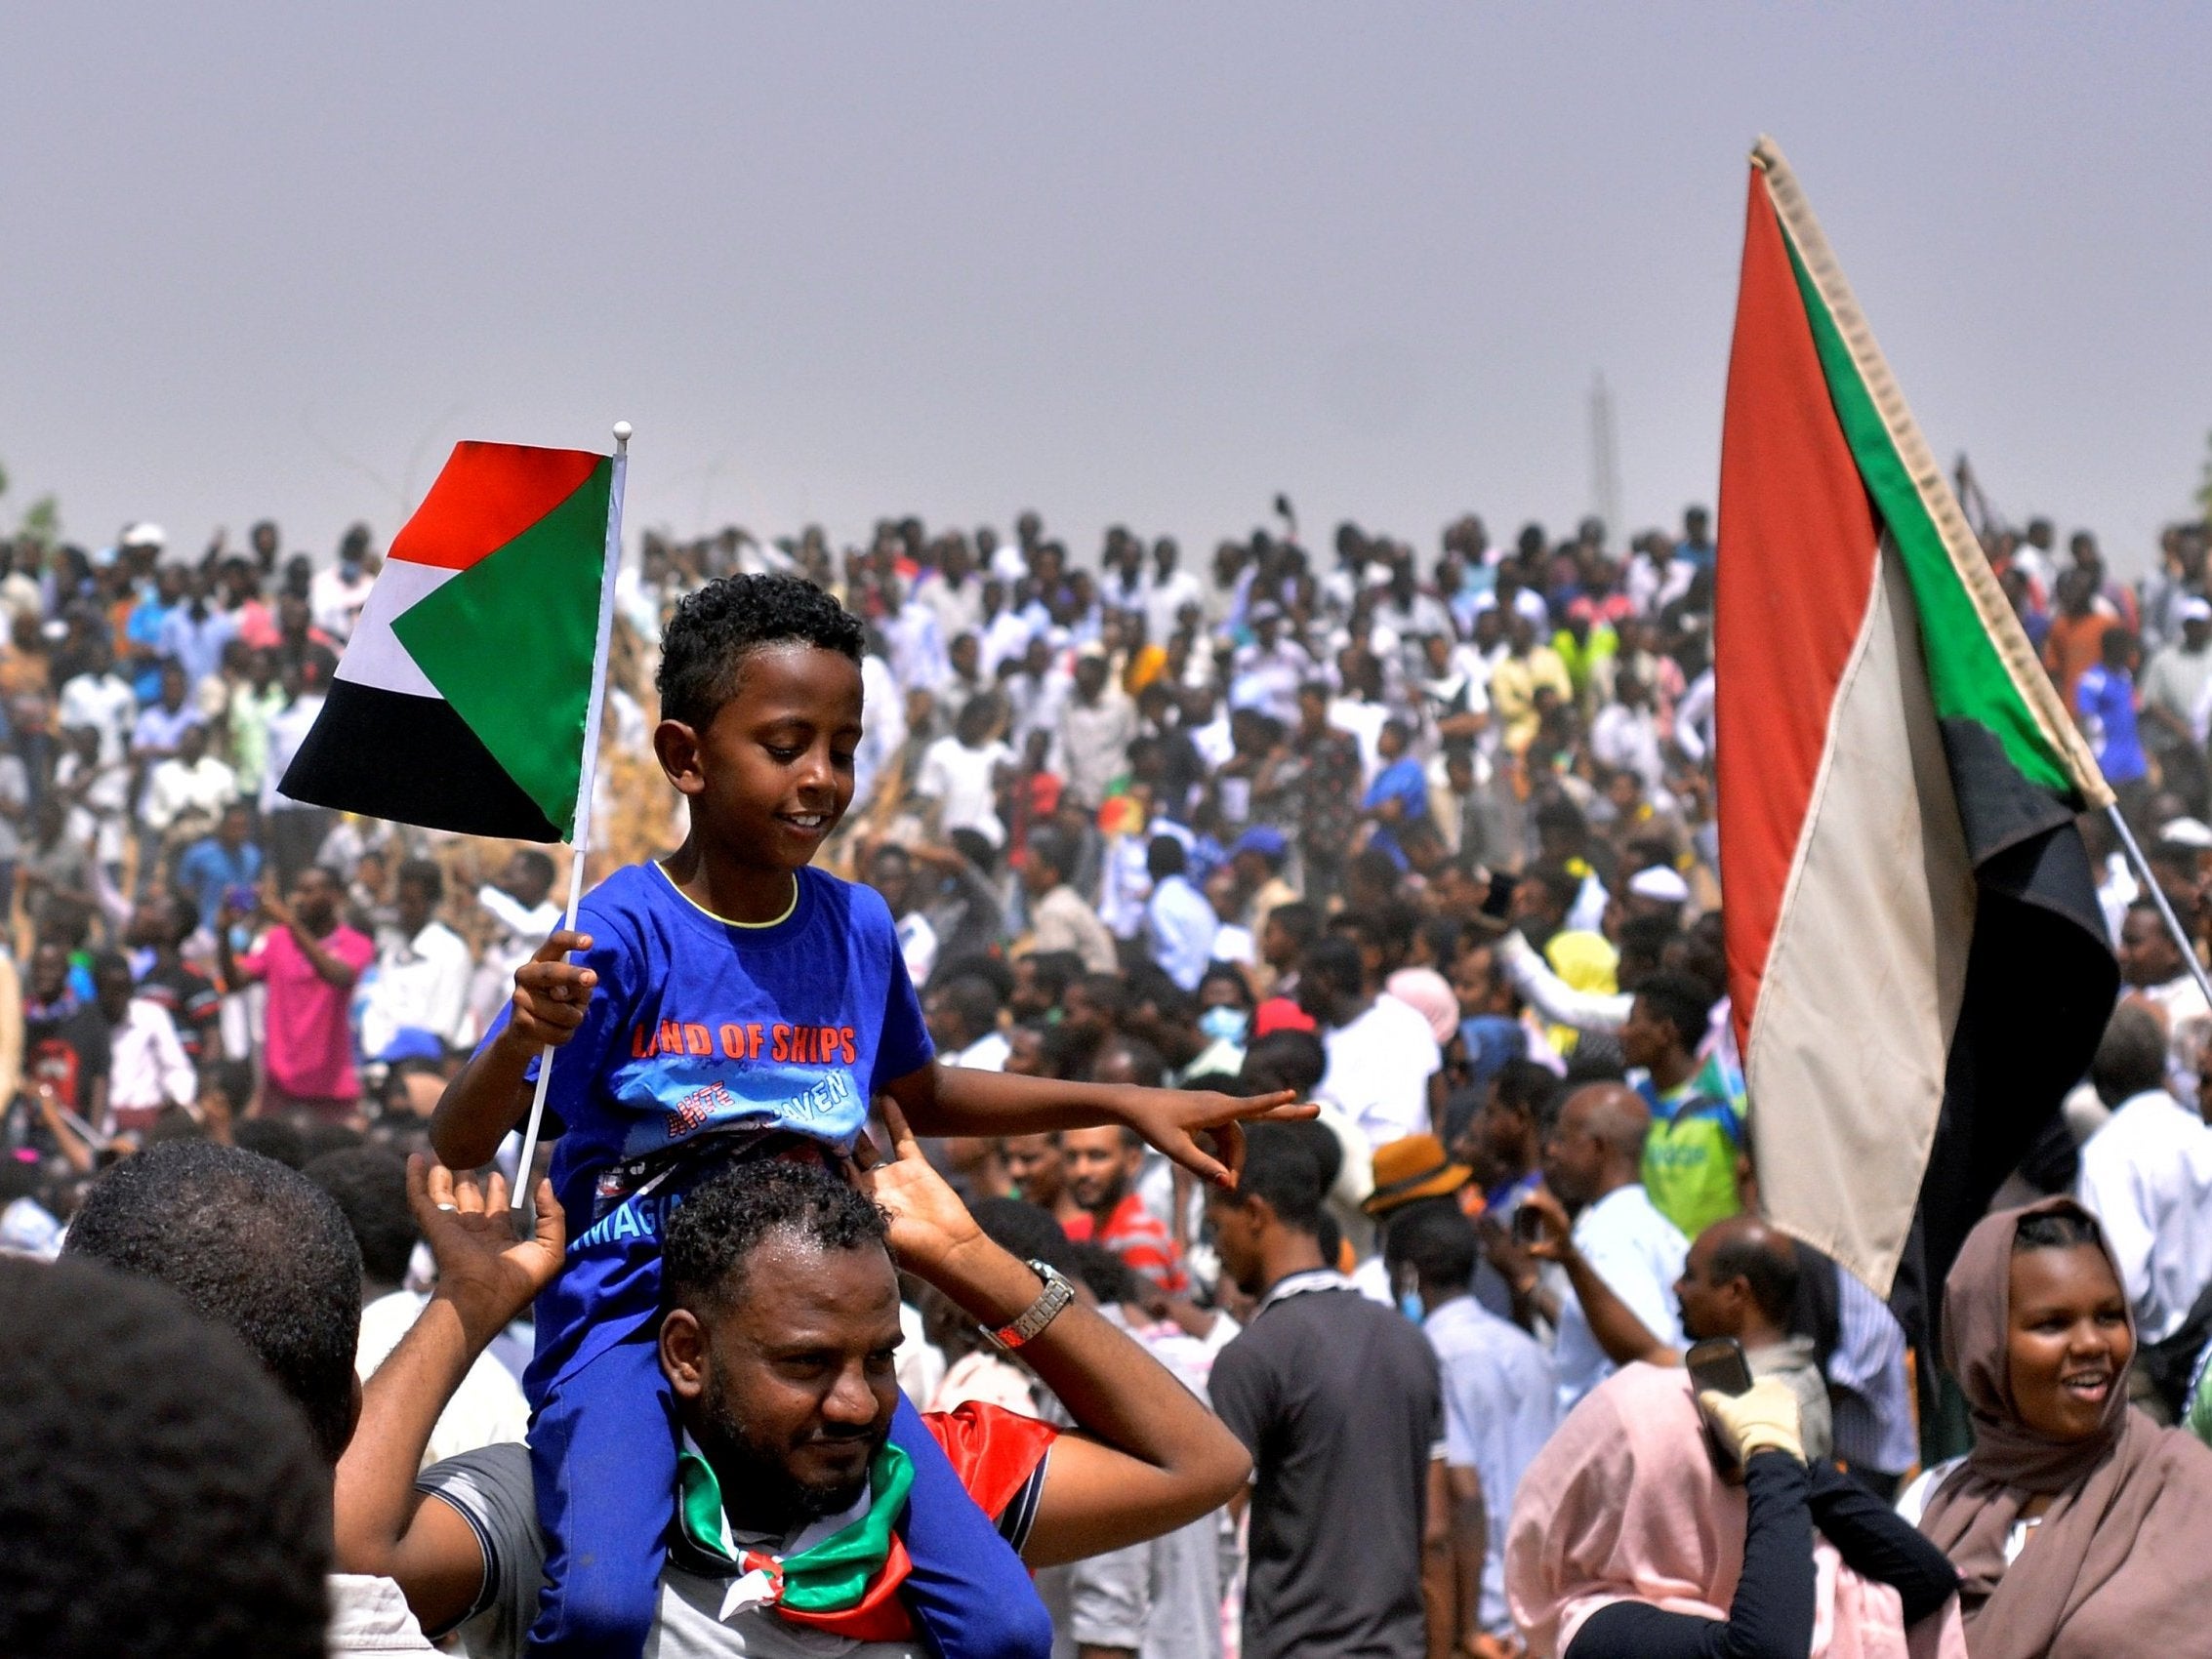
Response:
column 1528, row 1225
column 240, row 898
column 1718, row 1364
column 1497, row 903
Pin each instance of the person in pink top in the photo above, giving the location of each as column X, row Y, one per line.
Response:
column 310, row 960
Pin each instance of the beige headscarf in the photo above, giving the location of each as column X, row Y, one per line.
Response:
column 1623, row 1505
column 2115, row 1569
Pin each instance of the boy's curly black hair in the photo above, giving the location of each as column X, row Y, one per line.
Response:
column 712, row 1234
column 716, row 628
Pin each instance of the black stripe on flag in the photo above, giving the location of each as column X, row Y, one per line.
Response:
column 412, row 760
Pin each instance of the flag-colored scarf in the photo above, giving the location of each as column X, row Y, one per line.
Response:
column 845, row 1580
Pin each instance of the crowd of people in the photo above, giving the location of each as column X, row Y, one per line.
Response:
column 1425, row 842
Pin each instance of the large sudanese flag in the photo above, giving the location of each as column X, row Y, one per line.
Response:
column 1917, row 965
column 461, row 699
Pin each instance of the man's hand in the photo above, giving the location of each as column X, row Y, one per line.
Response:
column 483, row 1270
column 1172, row 1118
column 550, row 992
column 1556, row 1240
column 929, row 1224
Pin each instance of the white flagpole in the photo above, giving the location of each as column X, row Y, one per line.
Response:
column 579, row 841
column 2174, row 928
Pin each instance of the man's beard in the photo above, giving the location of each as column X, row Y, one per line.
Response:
column 755, row 1480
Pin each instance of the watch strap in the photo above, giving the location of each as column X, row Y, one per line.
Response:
column 1050, row 1301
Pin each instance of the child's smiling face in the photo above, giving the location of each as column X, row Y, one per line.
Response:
column 771, row 774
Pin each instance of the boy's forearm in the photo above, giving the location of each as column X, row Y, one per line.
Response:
column 481, row 1104
column 957, row 1100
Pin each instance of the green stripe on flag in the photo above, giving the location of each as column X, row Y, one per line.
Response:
column 1965, row 674
column 511, row 643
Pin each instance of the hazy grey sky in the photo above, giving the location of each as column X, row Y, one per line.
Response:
column 1137, row 261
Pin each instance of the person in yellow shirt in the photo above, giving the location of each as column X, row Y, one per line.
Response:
column 1528, row 668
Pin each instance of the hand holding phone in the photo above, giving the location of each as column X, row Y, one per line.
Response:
column 1717, row 1366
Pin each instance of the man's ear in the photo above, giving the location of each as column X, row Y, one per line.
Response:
column 676, row 746
column 683, row 1353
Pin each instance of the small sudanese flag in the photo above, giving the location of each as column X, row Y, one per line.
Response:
column 460, row 703
column 1917, row 965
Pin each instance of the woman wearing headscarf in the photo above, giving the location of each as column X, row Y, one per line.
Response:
column 1625, row 1543
column 2077, row 1526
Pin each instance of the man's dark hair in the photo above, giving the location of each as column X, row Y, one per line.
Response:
column 1110, row 992
column 1335, row 963
column 1145, row 1061
column 712, row 1234
column 1435, row 1238
column 714, row 630
column 1526, row 1087
column 1164, row 856
column 1026, row 1231
column 1287, row 1060
column 272, row 1138
column 1110, row 1278
column 1150, row 983
column 2131, row 1058
column 1279, row 1168
column 1767, row 1264
column 158, row 1495
column 426, row 874
column 1646, row 938
column 1682, row 1003
column 1051, row 848
column 370, row 1185
column 975, row 999
column 538, row 862
column 250, row 1246
column 1300, row 921
column 1054, row 971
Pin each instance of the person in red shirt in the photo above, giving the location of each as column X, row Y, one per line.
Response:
column 1101, row 1168
column 310, row 960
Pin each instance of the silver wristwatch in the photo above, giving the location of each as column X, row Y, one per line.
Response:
column 1056, row 1295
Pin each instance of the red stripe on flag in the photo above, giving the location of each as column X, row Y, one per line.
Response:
column 1796, row 571
column 485, row 496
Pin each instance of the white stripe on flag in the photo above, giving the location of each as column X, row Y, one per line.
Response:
column 374, row 654
column 1848, row 1049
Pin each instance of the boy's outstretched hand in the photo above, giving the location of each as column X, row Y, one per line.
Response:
column 1172, row 1119
column 552, row 992
column 488, row 1274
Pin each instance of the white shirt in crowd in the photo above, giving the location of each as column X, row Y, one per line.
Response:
column 335, row 600
column 487, row 1409
column 1639, row 1253
column 421, row 983
column 287, row 731
column 2147, row 1175
column 1180, row 926
column 103, row 701
column 959, row 780
column 987, row 1053
column 1379, row 1070
column 1500, row 1404
column 146, row 1064
column 175, row 789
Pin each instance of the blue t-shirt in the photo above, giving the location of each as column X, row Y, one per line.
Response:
column 2105, row 699
column 701, row 1036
